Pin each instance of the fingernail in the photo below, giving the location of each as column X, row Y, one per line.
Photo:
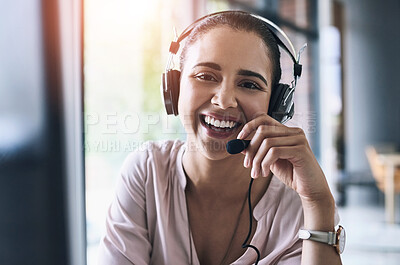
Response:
column 240, row 135
column 245, row 162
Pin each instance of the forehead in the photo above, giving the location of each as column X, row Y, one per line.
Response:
column 230, row 48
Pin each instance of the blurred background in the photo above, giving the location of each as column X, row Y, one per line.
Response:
column 79, row 90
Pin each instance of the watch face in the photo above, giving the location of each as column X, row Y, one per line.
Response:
column 342, row 239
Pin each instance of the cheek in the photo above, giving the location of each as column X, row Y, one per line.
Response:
column 190, row 100
column 191, row 97
column 254, row 106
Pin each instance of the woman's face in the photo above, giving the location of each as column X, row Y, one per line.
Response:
column 225, row 82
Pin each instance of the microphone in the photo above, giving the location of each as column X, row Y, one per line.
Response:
column 236, row 146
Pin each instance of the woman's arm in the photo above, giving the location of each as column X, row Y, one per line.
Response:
column 319, row 216
column 126, row 241
column 285, row 151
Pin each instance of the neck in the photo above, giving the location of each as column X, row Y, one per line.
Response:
column 225, row 177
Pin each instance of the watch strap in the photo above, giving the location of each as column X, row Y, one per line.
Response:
column 319, row 236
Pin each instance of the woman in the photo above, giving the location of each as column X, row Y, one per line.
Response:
column 185, row 203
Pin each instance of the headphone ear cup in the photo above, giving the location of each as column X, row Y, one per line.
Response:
column 278, row 109
column 170, row 87
column 276, row 98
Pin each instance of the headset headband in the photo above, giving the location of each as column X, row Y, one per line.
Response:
column 297, row 68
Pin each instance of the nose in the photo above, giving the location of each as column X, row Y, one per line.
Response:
column 225, row 97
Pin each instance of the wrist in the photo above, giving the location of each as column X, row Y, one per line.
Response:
column 319, row 215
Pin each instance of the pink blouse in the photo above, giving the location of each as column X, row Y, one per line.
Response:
column 147, row 221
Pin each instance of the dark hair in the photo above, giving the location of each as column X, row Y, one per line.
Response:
column 238, row 21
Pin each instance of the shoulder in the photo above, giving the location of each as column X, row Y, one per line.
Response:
column 163, row 150
column 150, row 152
column 151, row 159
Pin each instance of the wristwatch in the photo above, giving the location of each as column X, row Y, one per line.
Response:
column 336, row 239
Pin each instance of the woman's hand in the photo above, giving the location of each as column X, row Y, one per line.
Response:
column 285, row 151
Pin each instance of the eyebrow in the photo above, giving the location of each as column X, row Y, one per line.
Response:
column 251, row 73
column 211, row 65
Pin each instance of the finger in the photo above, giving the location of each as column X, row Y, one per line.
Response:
column 265, row 132
column 257, row 156
column 252, row 125
column 290, row 153
column 256, row 162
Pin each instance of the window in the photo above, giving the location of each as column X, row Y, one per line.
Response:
column 125, row 51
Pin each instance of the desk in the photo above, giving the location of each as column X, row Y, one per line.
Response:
column 390, row 161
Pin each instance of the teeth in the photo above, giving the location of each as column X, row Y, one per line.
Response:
column 218, row 123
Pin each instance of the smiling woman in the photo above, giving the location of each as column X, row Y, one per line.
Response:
column 183, row 202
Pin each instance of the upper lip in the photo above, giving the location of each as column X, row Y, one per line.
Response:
column 223, row 117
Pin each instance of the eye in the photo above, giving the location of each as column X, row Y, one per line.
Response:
column 205, row 77
column 250, row 85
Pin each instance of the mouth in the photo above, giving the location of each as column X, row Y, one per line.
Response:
column 219, row 127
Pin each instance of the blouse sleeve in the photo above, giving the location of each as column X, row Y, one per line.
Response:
column 126, row 240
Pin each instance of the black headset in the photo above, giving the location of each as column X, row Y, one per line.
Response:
column 281, row 106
